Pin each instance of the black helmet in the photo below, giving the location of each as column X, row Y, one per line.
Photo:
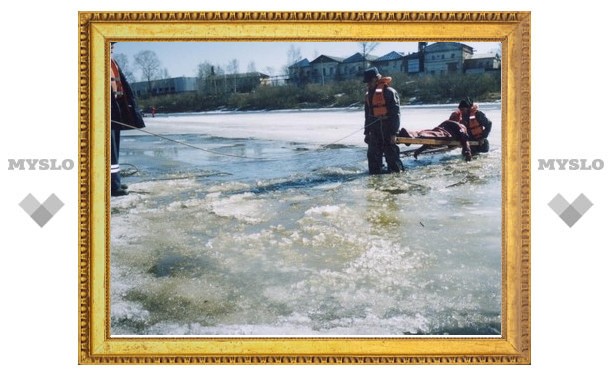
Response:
column 466, row 103
column 369, row 74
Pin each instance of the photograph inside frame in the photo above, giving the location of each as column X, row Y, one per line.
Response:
column 276, row 195
column 253, row 204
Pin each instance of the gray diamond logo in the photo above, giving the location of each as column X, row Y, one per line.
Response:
column 570, row 213
column 41, row 213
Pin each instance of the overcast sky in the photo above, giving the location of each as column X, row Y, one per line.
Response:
column 182, row 58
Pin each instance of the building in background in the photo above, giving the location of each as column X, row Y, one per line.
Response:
column 391, row 63
column 226, row 83
column 299, row 73
column 445, row 58
column 165, row 86
column 325, row 69
column 235, row 83
column 483, row 63
column 353, row 66
column 441, row 58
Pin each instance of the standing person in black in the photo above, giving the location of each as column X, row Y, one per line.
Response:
column 124, row 116
column 382, row 121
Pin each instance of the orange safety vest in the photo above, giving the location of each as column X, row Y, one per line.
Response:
column 116, row 85
column 474, row 127
column 455, row 116
column 378, row 105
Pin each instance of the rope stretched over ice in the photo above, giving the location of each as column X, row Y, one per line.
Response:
column 351, row 134
column 187, row 144
column 232, row 155
column 323, row 146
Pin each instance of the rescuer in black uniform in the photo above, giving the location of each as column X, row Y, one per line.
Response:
column 382, row 122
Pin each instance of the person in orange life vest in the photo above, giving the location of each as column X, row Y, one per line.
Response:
column 125, row 111
column 476, row 122
column 382, row 121
column 451, row 129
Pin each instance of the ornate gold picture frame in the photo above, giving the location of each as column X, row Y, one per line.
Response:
column 97, row 29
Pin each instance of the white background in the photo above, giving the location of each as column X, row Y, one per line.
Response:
column 570, row 266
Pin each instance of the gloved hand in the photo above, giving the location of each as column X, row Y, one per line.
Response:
column 467, row 155
column 367, row 139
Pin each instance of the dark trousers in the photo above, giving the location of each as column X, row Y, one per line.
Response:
column 381, row 142
column 115, row 141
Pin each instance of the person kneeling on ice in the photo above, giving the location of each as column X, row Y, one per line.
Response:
column 477, row 124
column 382, row 121
column 451, row 129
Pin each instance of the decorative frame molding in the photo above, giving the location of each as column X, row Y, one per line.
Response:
column 96, row 29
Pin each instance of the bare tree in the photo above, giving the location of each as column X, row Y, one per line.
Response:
column 149, row 66
column 366, row 49
column 220, row 71
column 294, row 55
column 252, row 67
column 232, row 68
column 205, row 71
column 122, row 61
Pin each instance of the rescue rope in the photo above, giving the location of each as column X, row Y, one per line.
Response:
column 338, row 140
column 130, row 172
column 351, row 134
column 232, row 155
column 323, row 146
column 186, row 144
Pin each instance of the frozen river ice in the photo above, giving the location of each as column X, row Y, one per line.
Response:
column 267, row 224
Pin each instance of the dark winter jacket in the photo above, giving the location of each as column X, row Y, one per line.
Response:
column 124, row 108
column 480, row 122
column 392, row 119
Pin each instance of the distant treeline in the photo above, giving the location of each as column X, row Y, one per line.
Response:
column 420, row 90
